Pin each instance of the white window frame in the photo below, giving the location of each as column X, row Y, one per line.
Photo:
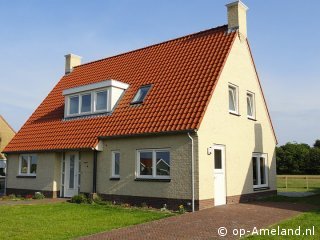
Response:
column 253, row 106
column 266, row 169
column 154, row 164
column 113, row 154
column 28, row 156
column 93, row 103
column 236, row 98
column 108, row 101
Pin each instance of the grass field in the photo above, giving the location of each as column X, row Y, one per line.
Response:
column 67, row 221
column 298, row 183
column 305, row 221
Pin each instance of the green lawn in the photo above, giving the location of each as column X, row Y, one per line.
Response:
column 305, row 220
column 67, row 221
column 298, row 185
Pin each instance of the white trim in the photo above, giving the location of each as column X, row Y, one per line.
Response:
column 154, row 164
column 28, row 156
column 113, row 153
column 266, row 168
column 95, row 86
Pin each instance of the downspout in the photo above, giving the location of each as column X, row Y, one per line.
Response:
column 192, row 169
column 94, row 185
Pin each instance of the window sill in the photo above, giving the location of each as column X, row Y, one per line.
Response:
column 260, row 188
column 252, row 119
column 114, row 178
column 26, row 176
column 153, row 179
column 235, row 114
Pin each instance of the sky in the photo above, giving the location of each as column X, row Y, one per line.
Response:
column 284, row 37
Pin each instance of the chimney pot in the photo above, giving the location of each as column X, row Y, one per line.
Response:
column 72, row 61
column 237, row 17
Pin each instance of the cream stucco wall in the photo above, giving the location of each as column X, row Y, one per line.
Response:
column 86, row 172
column 240, row 135
column 48, row 173
column 6, row 134
column 178, row 187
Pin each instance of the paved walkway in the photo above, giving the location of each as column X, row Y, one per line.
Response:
column 205, row 224
column 31, row 201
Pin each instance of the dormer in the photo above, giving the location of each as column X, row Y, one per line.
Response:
column 91, row 99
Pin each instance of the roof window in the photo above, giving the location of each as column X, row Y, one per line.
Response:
column 141, row 94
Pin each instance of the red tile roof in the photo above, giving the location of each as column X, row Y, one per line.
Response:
column 183, row 73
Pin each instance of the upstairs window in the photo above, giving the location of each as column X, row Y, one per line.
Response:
column 86, row 103
column 83, row 103
column 141, row 94
column 250, row 105
column 101, row 101
column 74, row 105
column 93, row 98
column 233, row 99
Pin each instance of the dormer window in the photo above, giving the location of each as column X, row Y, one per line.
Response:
column 93, row 98
column 141, row 94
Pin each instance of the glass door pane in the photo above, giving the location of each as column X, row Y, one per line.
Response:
column 71, row 171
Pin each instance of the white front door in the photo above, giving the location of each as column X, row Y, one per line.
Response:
column 219, row 175
column 70, row 174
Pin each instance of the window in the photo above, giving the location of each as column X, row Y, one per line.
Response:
column 217, row 159
column 101, row 101
column 99, row 97
column 141, row 94
column 115, row 164
column 88, row 103
column 28, row 165
column 233, row 99
column 74, row 105
column 153, row 164
column 260, row 170
column 250, row 105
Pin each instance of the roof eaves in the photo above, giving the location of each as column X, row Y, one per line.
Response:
column 148, row 134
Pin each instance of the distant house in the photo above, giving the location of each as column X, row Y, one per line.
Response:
column 180, row 122
column 6, row 134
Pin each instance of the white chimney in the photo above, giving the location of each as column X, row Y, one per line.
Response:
column 72, row 61
column 237, row 17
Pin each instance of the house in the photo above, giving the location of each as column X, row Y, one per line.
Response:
column 180, row 122
column 6, row 134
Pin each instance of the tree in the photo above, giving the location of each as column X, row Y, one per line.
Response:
column 317, row 144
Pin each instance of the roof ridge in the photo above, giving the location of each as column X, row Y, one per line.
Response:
column 156, row 44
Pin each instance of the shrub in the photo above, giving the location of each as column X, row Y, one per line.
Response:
column 81, row 198
column 12, row 196
column 38, row 195
column 181, row 209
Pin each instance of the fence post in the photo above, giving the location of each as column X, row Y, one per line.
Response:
column 307, row 182
column 287, row 183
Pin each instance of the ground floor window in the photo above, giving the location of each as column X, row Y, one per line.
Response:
column 28, row 165
column 115, row 164
column 260, row 170
column 154, row 163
